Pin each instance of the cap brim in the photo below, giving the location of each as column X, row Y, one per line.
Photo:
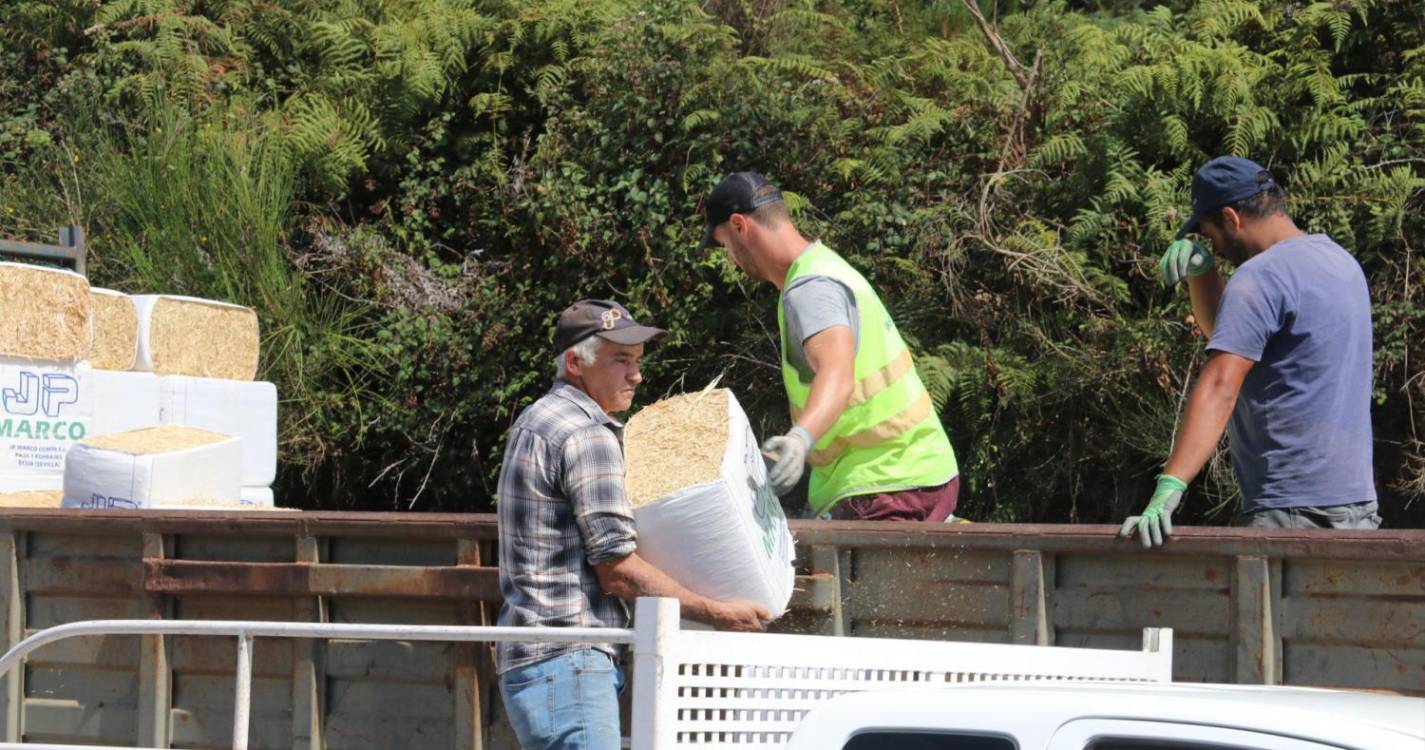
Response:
column 707, row 242
column 1191, row 225
column 631, row 335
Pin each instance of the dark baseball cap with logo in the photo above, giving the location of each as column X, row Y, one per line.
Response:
column 737, row 193
column 603, row 318
column 1222, row 182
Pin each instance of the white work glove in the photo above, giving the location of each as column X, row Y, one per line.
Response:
column 789, row 451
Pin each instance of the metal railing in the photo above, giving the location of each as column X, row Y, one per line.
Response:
column 690, row 687
column 246, row 631
column 70, row 251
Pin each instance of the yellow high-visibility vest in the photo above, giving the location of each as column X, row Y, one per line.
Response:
column 889, row 438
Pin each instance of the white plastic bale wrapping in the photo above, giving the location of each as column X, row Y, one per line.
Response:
column 31, row 482
column 44, row 409
column 726, row 539
column 192, row 467
column 198, row 337
column 260, row 497
column 125, row 401
column 246, row 409
column 44, row 313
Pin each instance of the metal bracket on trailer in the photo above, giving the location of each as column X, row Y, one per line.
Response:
column 70, row 251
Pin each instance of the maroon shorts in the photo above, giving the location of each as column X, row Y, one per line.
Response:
column 933, row 504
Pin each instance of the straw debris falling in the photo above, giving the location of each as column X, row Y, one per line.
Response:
column 44, row 313
column 197, row 503
column 116, row 330
column 676, row 443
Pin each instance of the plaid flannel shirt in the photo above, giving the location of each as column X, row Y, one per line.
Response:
column 563, row 510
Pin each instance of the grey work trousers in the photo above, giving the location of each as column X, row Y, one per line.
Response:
column 1352, row 516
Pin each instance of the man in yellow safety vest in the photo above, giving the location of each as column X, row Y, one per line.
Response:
column 860, row 415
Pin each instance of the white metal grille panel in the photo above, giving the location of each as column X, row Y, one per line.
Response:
column 730, row 690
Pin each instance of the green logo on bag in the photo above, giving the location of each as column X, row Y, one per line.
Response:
column 767, row 511
column 39, row 429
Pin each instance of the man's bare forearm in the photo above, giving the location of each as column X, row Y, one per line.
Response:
column 632, row 577
column 830, row 390
column 1209, row 406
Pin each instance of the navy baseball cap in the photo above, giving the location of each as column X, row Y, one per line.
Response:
column 603, row 318
column 1222, row 182
column 737, row 193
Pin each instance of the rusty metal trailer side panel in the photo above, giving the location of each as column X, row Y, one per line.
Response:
column 1307, row 608
column 1321, row 608
column 177, row 692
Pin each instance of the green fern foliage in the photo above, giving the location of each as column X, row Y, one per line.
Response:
column 467, row 167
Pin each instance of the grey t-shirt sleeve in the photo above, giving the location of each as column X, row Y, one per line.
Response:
column 1250, row 313
column 810, row 305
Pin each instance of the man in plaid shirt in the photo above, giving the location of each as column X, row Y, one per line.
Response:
column 568, row 549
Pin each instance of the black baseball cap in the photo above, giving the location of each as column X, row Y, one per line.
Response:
column 1222, row 182
column 737, row 193
column 603, row 318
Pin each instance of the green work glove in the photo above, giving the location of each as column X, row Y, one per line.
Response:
column 1157, row 519
column 1183, row 259
column 789, row 452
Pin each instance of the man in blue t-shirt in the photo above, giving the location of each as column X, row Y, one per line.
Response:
column 1289, row 363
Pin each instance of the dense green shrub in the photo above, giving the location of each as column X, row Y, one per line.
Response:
column 459, row 171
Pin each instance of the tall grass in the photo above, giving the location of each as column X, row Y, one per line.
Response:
column 204, row 207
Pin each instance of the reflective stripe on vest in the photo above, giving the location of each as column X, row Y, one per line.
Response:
column 874, row 383
column 882, row 431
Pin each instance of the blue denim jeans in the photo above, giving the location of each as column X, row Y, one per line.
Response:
column 569, row 702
